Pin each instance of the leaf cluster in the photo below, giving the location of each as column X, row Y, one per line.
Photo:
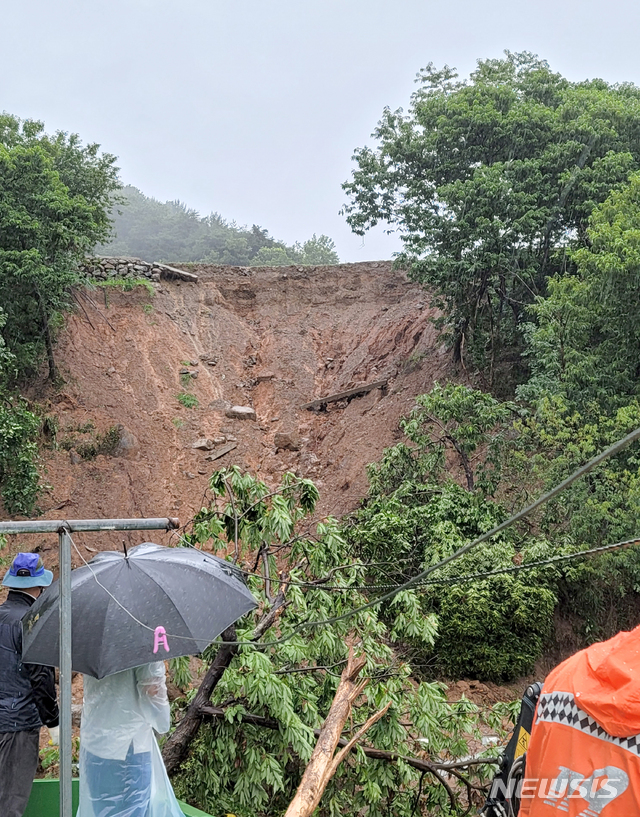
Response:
column 245, row 768
column 490, row 181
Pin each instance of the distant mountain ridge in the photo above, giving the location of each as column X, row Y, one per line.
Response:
column 173, row 232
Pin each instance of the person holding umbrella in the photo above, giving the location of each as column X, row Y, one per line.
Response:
column 121, row 769
column 129, row 610
column 27, row 691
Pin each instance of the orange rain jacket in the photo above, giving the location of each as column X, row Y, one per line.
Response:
column 583, row 758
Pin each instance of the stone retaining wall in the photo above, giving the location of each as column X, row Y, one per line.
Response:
column 104, row 268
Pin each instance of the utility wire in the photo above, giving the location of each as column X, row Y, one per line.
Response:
column 419, row 579
column 615, row 448
column 563, row 557
column 466, row 577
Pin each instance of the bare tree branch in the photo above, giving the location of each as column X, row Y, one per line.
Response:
column 177, row 745
column 324, row 762
column 235, row 520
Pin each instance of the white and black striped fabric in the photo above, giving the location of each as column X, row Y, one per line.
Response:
column 561, row 707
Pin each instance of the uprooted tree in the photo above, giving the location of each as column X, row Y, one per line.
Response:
column 282, row 680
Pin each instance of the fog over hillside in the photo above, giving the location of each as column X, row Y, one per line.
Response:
column 172, row 231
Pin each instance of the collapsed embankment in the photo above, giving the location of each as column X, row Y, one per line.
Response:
column 267, row 338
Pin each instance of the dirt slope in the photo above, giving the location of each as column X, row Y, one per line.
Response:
column 270, row 338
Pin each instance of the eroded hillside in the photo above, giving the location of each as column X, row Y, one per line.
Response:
column 269, row 338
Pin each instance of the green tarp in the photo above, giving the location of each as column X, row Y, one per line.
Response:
column 45, row 801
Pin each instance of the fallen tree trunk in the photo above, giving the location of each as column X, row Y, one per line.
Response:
column 324, row 762
column 177, row 745
column 418, row 763
column 321, row 402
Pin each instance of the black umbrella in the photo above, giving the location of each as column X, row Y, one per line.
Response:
column 131, row 609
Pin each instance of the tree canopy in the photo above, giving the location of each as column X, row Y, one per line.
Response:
column 316, row 251
column 55, row 200
column 585, row 343
column 490, row 182
column 171, row 231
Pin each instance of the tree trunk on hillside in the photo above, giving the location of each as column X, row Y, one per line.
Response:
column 46, row 331
column 176, row 747
column 324, row 762
column 459, row 337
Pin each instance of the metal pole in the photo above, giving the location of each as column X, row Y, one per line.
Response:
column 65, row 672
column 78, row 525
column 64, row 528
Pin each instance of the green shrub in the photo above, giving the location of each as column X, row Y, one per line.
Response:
column 19, row 477
column 105, row 444
column 493, row 629
column 109, row 441
column 187, row 400
column 84, row 428
column 87, row 450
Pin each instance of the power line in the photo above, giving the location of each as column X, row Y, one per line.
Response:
column 563, row 557
column 467, row 577
column 420, row 577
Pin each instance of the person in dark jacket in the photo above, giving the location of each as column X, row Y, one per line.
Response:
column 27, row 691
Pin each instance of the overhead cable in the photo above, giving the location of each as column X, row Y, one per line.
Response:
column 615, row 448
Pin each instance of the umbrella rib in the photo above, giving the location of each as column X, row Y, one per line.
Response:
column 128, row 612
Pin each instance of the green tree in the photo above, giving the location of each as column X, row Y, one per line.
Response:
column 316, row 251
column 19, row 477
column 415, row 514
column 319, row 250
column 549, row 443
column 489, row 182
column 55, row 198
column 274, row 257
column 585, row 344
column 458, row 419
column 247, row 758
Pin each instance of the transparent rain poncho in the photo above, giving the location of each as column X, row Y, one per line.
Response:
column 121, row 769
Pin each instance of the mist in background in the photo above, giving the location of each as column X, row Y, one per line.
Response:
column 252, row 109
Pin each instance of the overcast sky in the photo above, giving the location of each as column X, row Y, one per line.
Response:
column 252, row 108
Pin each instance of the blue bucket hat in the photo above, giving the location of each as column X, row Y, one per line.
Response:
column 27, row 570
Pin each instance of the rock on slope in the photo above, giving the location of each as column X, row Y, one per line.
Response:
column 267, row 338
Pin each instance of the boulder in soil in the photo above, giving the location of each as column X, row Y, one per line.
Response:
column 241, row 413
column 203, row 444
column 287, row 442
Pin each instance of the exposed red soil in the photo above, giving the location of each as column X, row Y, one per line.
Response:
column 280, row 338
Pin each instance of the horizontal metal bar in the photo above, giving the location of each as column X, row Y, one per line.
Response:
column 77, row 525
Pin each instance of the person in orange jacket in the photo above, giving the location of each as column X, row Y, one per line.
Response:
column 583, row 758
